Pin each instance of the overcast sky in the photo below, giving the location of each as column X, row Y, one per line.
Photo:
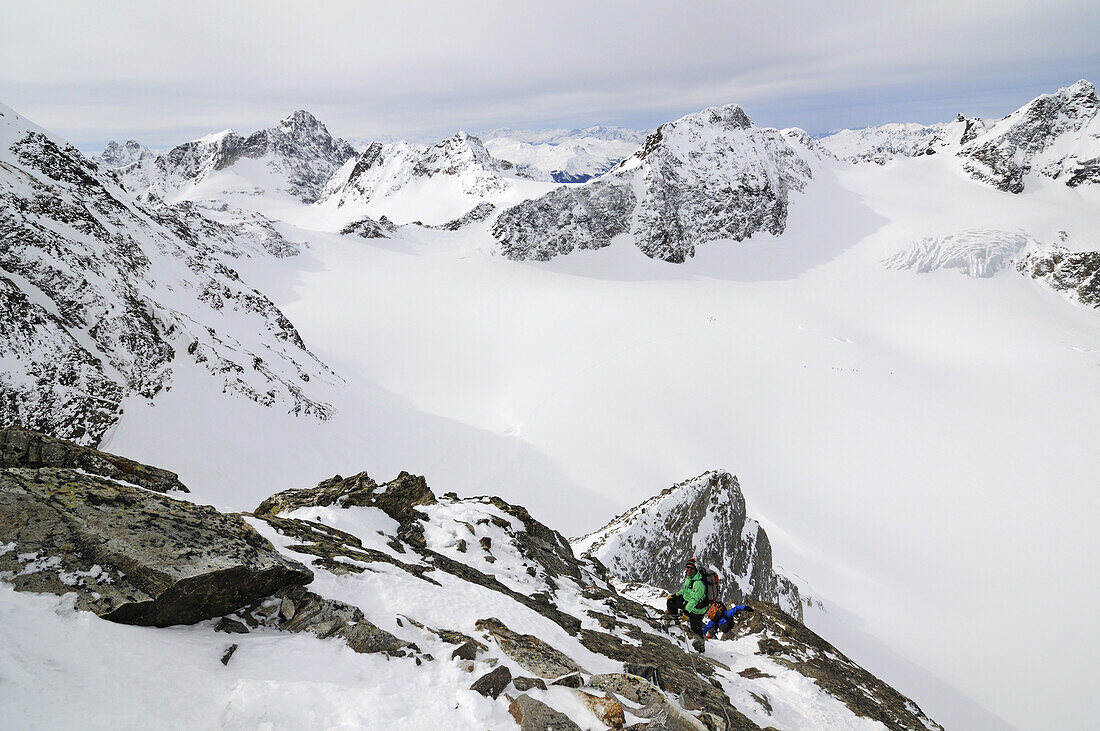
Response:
column 163, row 73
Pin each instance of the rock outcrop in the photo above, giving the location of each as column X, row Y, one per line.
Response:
column 1076, row 274
column 130, row 554
column 1055, row 135
column 704, row 517
column 26, row 448
column 706, row 176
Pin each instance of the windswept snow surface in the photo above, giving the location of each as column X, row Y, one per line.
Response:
column 920, row 446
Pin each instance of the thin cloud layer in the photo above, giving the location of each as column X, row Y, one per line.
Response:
column 165, row 72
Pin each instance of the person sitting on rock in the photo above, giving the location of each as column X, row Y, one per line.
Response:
column 690, row 599
column 720, row 619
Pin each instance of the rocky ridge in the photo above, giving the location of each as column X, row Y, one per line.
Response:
column 299, row 152
column 103, row 296
column 704, row 517
column 706, row 176
column 481, row 558
column 1076, row 274
column 461, row 162
column 1055, row 135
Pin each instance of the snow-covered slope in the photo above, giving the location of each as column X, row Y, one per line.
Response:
column 707, row 176
column 1056, row 136
column 103, row 297
column 295, row 158
column 704, row 517
column 424, row 611
column 407, row 182
column 569, row 156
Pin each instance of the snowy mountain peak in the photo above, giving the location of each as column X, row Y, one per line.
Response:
column 103, row 297
column 706, row 176
column 296, row 157
column 115, row 155
column 704, row 517
column 1054, row 135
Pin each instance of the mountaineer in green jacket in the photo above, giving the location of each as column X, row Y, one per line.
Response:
column 691, row 600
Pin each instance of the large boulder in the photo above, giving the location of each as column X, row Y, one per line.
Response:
column 26, row 448
column 129, row 554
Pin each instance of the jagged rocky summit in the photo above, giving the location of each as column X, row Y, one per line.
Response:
column 1055, row 135
column 115, row 155
column 704, row 517
column 102, row 296
column 476, row 583
column 299, row 154
column 706, row 176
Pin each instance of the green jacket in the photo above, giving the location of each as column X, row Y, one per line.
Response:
column 694, row 592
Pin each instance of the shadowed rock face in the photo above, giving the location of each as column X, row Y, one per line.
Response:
column 129, row 554
column 704, row 517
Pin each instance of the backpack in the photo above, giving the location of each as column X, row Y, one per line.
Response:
column 710, row 581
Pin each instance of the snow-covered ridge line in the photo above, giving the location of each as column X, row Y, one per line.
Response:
column 472, row 598
column 104, row 297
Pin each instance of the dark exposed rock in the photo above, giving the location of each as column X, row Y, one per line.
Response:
column 25, row 448
column 754, row 674
column 231, row 626
column 586, row 217
column 300, row 610
column 228, row 653
column 132, row 555
column 480, row 212
column 368, row 228
column 534, row 715
column 651, row 542
column 523, row 683
column 493, row 683
column 789, row 643
column 1075, row 273
column 466, row 651
column 528, row 651
column 397, row 498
